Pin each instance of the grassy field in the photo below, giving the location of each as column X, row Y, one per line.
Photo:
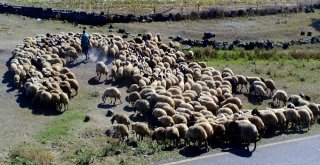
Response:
column 66, row 139
column 149, row 6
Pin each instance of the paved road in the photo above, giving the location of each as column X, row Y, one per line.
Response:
column 302, row 151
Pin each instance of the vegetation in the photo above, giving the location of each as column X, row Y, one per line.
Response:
column 146, row 6
column 257, row 54
column 25, row 154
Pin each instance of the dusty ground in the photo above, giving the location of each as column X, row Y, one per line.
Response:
column 64, row 134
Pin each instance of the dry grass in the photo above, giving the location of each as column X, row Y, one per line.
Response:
column 31, row 154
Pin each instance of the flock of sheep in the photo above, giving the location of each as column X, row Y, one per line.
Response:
column 183, row 101
column 186, row 101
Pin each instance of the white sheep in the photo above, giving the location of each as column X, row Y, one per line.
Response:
column 280, row 95
column 101, row 69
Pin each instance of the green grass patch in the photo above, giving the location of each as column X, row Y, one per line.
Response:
column 69, row 119
column 61, row 126
column 208, row 53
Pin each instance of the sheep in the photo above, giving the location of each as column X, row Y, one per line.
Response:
column 55, row 99
column 179, row 119
column 74, row 85
column 245, row 132
column 182, row 128
column 160, row 98
column 158, row 112
column 305, row 117
column 280, row 95
column 281, row 118
column 258, row 90
column 269, row 84
column 101, row 69
column 122, row 130
column 219, row 130
column 257, row 122
column 32, row 90
column 169, row 110
column 45, row 98
column 315, row 109
column 141, row 130
column 269, row 119
column 232, row 106
column 16, row 80
column 225, row 110
column 133, row 88
column 242, row 81
column 197, row 134
column 292, row 116
column 208, row 128
column 172, row 134
column 166, row 121
column 111, row 92
column 233, row 100
column 159, row 134
column 64, row 100
column 133, row 97
column 142, row 106
column 121, row 119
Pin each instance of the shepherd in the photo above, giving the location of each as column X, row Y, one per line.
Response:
column 85, row 41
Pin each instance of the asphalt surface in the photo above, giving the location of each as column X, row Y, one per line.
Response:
column 302, row 151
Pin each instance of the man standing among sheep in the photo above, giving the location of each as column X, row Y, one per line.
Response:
column 85, row 41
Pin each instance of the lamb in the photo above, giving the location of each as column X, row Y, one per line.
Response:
column 280, row 95
column 159, row 134
column 197, row 134
column 133, row 97
column 269, row 119
column 172, row 134
column 122, row 130
column 111, row 92
column 141, row 130
column 121, row 119
column 166, row 121
column 101, row 69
